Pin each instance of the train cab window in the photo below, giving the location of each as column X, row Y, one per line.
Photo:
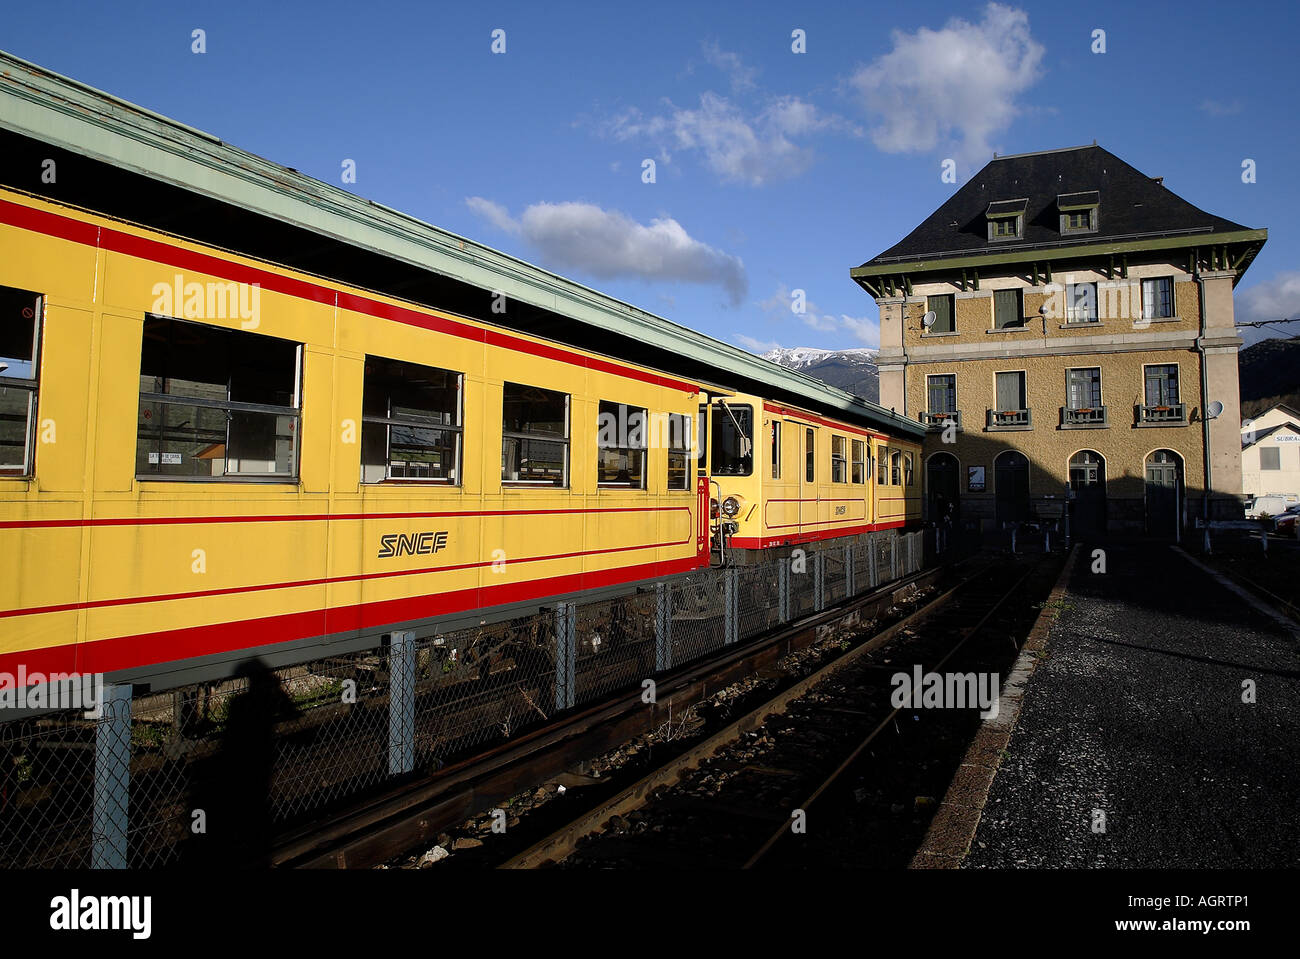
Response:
column 809, row 454
column 20, row 334
column 882, row 464
column 410, row 422
column 702, row 447
column 534, row 436
column 776, row 449
column 679, row 451
column 895, row 468
column 733, row 440
column 839, row 461
column 907, row 469
column 859, row 462
column 620, row 445
column 216, row 403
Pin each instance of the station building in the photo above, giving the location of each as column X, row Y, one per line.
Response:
column 1063, row 325
column 1270, row 452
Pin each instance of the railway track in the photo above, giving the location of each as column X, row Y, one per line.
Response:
column 828, row 770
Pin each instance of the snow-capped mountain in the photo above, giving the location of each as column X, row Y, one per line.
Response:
column 853, row 370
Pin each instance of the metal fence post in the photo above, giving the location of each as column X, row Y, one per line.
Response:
column 783, row 590
column 819, row 580
column 731, row 605
column 663, row 628
column 848, row 569
column 112, row 779
column 871, row 561
column 893, row 556
column 401, row 703
column 566, row 654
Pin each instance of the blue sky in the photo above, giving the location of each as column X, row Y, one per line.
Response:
column 775, row 171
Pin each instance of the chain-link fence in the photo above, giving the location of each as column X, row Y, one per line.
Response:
column 214, row 772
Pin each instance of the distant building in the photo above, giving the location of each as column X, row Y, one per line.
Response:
column 1270, row 452
column 1067, row 345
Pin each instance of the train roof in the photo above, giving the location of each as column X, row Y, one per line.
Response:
column 122, row 160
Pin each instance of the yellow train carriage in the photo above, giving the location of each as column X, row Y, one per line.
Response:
column 782, row 475
column 205, row 456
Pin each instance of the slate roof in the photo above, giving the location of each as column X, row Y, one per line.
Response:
column 1131, row 205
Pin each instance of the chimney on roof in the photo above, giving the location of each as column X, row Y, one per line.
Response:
column 1160, row 181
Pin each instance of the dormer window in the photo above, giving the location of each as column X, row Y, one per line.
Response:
column 1078, row 212
column 1006, row 219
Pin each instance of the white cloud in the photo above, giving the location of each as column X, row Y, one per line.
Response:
column 756, row 346
column 609, row 244
column 956, row 87
column 1221, row 108
column 494, row 213
column 741, row 76
column 778, row 309
column 1275, row 299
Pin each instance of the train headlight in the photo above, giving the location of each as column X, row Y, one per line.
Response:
column 713, row 508
column 731, row 506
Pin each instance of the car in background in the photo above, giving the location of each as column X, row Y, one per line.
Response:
column 1288, row 523
column 1271, row 504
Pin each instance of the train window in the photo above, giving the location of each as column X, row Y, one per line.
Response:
column 217, row 404
column 20, row 333
column 733, row 440
column 776, row 449
column 809, row 454
column 620, row 445
column 895, row 469
column 534, row 436
column 702, row 448
column 679, row 451
column 839, row 461
column 907, row 469
column 882, row 472
column 859, row 461
column 410, row 422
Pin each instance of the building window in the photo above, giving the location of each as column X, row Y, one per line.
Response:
column 1086, row 469
column 620, row 445
column 20, row 336
column 942, row 308
column 1006, row 227
column 1009, row 396
column 410, row 422
column 1081, row 303
column 1158, row 298
column 1270, row 458
column 1079, row 221
column 907, row 469
column 809, row 454
column 776, row 449
column 733, row 440
column 882, row 467
column 702, row 448
column 1084, row 387
column 839, row 459
column 679, row 451
column 216, row 403
column 941, row 393
column 895, row 468
column 1162, row 384
column 1008, row 314
column 534, row 436
column 859, row 461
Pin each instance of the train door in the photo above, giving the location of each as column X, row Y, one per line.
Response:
column 808, row 482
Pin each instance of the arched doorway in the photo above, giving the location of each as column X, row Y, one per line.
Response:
column 1088, row 484
column 1165, row 496
column 1011, row 485
column 942, row 487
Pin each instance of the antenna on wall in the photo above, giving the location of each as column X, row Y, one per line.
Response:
column 1214, row 410
column 927, row 321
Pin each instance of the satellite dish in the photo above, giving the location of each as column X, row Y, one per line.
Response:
column 928, row 320
column 1042, row 310
column 1214, row 409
